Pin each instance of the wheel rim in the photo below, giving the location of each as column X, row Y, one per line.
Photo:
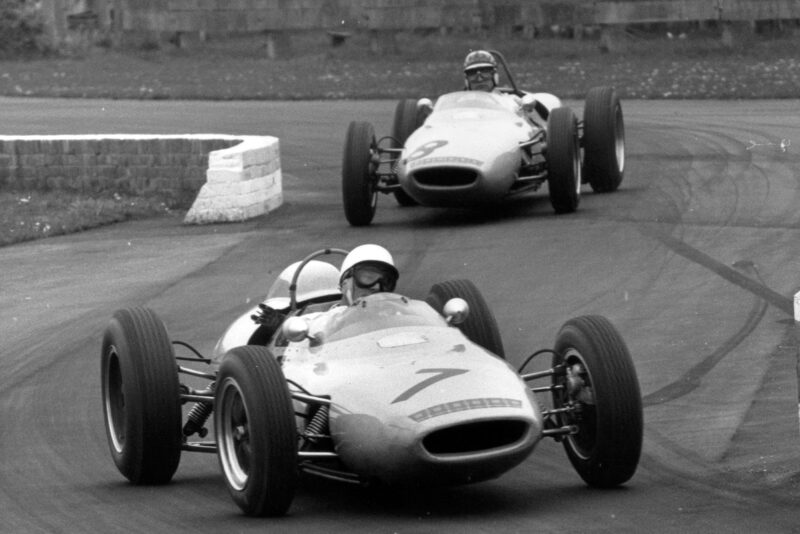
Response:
column 578, row 392
column 235, row 448
column 116, row 416
column 619, row 138
column 374, row 163
column 577, row 172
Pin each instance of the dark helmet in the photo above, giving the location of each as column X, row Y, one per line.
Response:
column 480, row 61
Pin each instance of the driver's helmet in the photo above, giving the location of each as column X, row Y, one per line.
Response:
column 318, row 279
column 480, row 63
column 369, row 265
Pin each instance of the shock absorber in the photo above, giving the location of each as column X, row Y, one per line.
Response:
column 317, row 428
column 198, row 415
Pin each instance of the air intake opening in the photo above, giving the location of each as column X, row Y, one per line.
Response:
column 475, row 437
column 446, row 176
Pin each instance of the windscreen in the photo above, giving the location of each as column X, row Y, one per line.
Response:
column 470, row 99
column 379, row 312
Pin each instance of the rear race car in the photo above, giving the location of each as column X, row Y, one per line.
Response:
column 472, row 148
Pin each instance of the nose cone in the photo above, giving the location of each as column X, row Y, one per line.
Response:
column 467, row 164
column 463, row 452
column 441, row 422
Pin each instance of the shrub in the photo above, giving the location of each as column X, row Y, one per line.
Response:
column 21, row 28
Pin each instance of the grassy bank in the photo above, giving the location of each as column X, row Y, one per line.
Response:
column 650, row 65
column 28, row 215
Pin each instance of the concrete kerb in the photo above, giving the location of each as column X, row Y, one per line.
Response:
column 242, row 181
column 238, row 177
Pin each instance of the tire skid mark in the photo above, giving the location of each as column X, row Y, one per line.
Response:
column 747, row 283
column 691, row 379
column 764, row 297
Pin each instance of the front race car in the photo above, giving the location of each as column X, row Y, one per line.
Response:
column 389, row 389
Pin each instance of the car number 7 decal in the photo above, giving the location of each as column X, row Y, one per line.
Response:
column 441, row 374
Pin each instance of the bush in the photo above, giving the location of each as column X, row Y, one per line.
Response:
column 21, row 28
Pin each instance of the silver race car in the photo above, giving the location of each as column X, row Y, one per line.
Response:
column 389, row 390
column 475, row 148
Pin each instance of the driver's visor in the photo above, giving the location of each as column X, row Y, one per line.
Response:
column 367, row 276
column 480, row 73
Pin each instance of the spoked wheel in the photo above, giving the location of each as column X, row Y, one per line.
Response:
column 141, row 397
column 407, row 119
column 359, row 180
column 481, row 325
column 599, row 386
column 256, row 437
column 563, row 160
column 603, row 140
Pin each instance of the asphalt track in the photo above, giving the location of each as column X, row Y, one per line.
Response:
column 695, row 260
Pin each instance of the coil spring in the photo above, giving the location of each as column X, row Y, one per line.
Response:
column 197, row 417
column 317, row 428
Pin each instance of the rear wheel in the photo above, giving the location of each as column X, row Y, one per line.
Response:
column 563, row 160
column 359, row 180
column 141, row 397
column 406, row 120
column 256, row 437
column 480, row 326
column 603, row 140
column 599, row 386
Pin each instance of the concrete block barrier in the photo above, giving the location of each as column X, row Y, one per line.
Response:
column 237, row 177
column 242, row 181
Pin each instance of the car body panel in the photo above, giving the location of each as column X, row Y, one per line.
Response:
column 412, row 400
column 467, row 151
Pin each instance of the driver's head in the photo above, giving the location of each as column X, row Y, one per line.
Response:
column 367, row 269
column 480, row 71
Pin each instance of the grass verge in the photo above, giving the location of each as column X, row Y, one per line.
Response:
column 642, row 65
column 28, row 215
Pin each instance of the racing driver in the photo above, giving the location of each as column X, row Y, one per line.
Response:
column 480, row 71
column 366, row 269
column 480, row 74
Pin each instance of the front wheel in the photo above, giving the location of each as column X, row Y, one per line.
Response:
column 141, row 397
column 563, row 160
column 480, row 326
column 596, row 383
column 256, row 437
column 359, row 180
column 407, row 119
column 603, row 140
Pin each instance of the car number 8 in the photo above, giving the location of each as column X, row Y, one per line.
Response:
column 426, row 149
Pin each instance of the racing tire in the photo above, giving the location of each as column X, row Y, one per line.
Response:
column 600, row 381
column 141, row 397
column 563, row 160
column 406, row 120
column 480, row 326
column 359, row 182
column 255, row 431
column 603, row 140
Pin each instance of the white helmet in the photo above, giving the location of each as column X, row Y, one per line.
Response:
column 317, row 279
column 375, row 254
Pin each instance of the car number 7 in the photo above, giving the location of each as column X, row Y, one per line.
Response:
column 440, row 374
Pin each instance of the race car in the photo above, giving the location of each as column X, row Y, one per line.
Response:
column 472, row 149
column 390, row 390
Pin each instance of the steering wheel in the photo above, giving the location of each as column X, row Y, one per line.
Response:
column 296, row 276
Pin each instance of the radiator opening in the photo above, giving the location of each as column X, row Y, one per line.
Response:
column 475, row 437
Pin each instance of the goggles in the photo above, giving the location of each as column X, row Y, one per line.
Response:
column 367, row 276
column 480, row 73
